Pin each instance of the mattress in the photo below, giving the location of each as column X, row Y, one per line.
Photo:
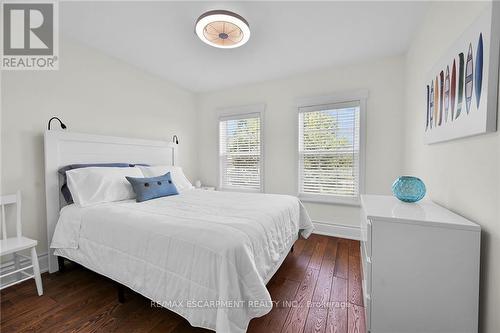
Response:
column 205, row 255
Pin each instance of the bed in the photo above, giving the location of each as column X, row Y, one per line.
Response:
column 205, row 255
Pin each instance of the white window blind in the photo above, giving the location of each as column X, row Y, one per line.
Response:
column 329, row 150
column 240, row 152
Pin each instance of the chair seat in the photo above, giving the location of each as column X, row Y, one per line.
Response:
column 15, row 244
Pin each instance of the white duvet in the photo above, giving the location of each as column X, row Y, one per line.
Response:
column 205, row 255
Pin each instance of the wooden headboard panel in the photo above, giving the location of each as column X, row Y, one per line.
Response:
column 63, row 148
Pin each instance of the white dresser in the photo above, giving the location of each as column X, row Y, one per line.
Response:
column 420, row 267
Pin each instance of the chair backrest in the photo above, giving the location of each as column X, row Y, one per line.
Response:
column 11, row 199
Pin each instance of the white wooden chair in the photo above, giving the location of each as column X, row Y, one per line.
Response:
column 13, row 245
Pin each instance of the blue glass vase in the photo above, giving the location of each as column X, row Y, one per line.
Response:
column 408, row 189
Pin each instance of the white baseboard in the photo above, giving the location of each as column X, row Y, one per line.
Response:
column 337, row 230
column 9, row 266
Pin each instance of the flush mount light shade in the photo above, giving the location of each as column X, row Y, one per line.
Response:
column 223, row 29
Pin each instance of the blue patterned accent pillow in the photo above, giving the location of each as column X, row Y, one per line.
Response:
column 154, row 187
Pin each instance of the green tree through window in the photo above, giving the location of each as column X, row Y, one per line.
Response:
column 240, row 153
column 329, row 151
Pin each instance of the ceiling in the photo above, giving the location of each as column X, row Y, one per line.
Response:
column 287, row 38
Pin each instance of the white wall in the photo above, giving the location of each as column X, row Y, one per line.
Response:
column 463, row 174
column 383, row 79
column 1, row 164
column 91, row 93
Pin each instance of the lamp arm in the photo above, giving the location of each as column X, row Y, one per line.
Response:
column 63, row 126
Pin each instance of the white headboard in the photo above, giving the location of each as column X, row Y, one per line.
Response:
column 63, row 148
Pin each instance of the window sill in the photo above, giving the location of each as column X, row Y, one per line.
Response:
column 235, row 189
column 329, row 199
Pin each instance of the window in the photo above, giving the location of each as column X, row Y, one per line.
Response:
column 240, row 152
column 330, row 157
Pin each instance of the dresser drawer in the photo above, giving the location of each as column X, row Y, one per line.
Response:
column 366, row 234
column 367, row 301
column 366, row 266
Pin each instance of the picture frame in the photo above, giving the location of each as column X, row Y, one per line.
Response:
column 462, row 88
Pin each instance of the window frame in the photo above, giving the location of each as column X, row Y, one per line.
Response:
column 234, row 113
column 320, row 102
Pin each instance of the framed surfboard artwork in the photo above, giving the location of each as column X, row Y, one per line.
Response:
column 462, row 88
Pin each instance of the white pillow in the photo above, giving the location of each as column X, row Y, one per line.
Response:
column 94, row 185
column 180, row 180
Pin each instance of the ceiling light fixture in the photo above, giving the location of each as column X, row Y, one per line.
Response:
column 222, row 29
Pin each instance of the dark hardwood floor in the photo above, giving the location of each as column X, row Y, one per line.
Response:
column 317, row 289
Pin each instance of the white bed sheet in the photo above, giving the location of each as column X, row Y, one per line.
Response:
column 205, row 255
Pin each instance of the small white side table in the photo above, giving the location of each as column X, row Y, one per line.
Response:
column 206, row 188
